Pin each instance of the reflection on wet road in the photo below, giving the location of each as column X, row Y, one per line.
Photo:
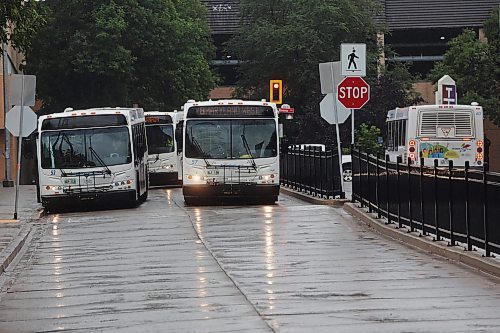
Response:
column 293, row 267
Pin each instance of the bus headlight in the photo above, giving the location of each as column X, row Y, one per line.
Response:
column 195, row 178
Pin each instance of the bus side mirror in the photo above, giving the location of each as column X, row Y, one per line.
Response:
column 179, row 139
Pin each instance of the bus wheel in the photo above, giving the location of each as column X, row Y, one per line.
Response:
column 144, row 196
column 270, row 200
column 189, row 201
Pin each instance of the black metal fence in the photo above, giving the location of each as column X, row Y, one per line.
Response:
column 312, row 170
column 459, row 204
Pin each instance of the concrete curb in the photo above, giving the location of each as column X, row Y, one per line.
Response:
column 15, row 246
column 441, row 248
column 313, row 199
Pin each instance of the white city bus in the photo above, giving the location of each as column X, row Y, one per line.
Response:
column 436, row 132
column 92, row 154
column 164, row 156
column 231, row 150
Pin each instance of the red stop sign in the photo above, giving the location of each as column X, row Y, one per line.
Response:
column 353, row 92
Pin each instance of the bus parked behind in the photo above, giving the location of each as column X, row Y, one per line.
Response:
column 164, row 159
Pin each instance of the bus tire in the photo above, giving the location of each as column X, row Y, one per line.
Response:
column 270, row 200
column 144, row 196
column 189, row 201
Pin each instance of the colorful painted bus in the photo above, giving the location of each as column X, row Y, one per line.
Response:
column 436, row 132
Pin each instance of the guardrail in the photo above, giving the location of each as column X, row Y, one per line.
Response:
column 311, row 170
column 457, row 204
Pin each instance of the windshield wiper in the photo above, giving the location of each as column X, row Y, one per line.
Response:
column 202, row 152
column 247, row 148
column 99, row 159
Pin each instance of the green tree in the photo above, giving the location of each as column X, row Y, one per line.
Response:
column 475, row 66
column 25, row 16
column 119, row 52
column 286, row 39
column 367, row 138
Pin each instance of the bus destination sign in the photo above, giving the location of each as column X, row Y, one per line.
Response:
column 158, row 119
column 231, row 111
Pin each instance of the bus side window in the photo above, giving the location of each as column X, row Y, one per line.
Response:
column 179, row 135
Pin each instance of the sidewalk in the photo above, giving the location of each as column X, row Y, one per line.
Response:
column 13, row 233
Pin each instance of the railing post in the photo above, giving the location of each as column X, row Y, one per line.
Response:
column 309, row 177
column 361, row 194
column 379, row 214
column 353, row 152
column 450, row 202
column 387, row 189
column 301, row 169
column 436, row 213
column 398, row 194
column 409, row 196
column 321, row 155
column 368, row 197
column 332, row 164
column 315, row 173
column 485, row 213
column 467, row 206
column 421, row 181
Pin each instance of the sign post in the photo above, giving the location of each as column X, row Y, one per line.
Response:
column 353, row 59
column 20, row 120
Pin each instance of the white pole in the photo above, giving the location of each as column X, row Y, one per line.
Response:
column 339, row 148
column 19, row 148
column 7, row 182
column 352, row 126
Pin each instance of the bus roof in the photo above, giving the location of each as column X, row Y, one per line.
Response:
column 229, row 102
column 133, row 115
column 402, row 113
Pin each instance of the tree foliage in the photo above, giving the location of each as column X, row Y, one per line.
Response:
column 19, row 21
column 287, row 39
column 367, row 138
column 475, row 67
column 153, row 53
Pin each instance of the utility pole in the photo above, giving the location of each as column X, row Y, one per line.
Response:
column 7, row 181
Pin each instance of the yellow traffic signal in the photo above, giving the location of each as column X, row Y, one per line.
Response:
column 276, row 91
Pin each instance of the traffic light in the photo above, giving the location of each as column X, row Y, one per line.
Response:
column 276, row 91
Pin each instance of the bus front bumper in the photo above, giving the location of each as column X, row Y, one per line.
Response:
column 231, row 190
column 110, row 196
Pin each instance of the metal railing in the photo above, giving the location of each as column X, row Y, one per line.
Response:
column 461, row 205
column 311, row 170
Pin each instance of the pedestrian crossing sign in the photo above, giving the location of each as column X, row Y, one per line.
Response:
column 353, row 59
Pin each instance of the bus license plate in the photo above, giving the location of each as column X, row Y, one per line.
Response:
column 70, row 181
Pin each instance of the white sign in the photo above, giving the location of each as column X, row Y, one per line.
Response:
column 447, row 91
column 353, row 59
column 329, row 105
column 23, row 90
column 329, row 75
column 13, row 121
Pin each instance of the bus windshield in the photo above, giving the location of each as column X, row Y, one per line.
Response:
column 85, row 148
column 231, row 138
column 160, row 139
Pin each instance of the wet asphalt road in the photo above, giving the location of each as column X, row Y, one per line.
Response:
column 293, row 267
